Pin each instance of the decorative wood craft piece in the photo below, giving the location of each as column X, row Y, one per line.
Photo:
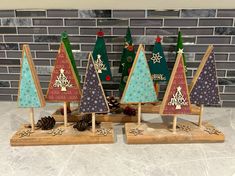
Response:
column 93, row 98
column 176, row 99
column 29, row 93
column 139, row 88
column 180, row 47
column 64, row 85
column 158, row 66
column 101, row 58
column 127, row 59
column 204, row 86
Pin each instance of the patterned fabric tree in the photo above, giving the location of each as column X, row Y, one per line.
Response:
column 93, row 98
column 204, row 87
column 101, row 59
column 176, row 99
column 64, row 85
column 158, row 66
column 139, row 88
column 128, row 56
column 179, row 47
column 30, row 93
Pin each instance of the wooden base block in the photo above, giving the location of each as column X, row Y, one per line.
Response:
column 186, row 132
column 69, row 135
column 115, row 118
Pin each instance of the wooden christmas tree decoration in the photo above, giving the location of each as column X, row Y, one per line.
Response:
column 127, row 59
column 180, row 47
column 29, row 93
column 158, row 66
column 101, row 58
column 93, row 98
column 204, row 86
column 176, row 99
column 64, row 85
column 139, row 88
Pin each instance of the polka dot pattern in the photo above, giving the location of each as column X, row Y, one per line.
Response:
column 205, row 91
column 93, row 99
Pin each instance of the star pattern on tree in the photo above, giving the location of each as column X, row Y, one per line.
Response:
column 156, row 58
column 99, row 65
column 178, row 100
column 62, row 81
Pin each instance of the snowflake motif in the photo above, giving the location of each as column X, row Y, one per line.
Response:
column 156, row 58
column 103, row 131
column 136, row 131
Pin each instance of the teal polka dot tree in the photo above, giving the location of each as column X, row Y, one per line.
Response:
column 139, row 88
column 30, row 93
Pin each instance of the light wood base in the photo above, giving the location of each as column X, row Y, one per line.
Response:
column 157, row 133
column 69, row 136
column 115, row 118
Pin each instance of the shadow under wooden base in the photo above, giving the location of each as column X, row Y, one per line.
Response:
column 115, row 118
column 69, row 135
column 186, row 132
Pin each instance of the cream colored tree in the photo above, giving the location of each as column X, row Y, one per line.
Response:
column 178, row 99
column 62, row 81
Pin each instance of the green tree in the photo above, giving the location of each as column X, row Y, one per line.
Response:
column 101, row 58
column 180, row 46
column 128, row 56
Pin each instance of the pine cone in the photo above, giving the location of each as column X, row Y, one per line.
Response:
column 81, row 125
column 112, row 102
column 46, row 123
column 62, row 111
column 87, row 118
column 129, row 111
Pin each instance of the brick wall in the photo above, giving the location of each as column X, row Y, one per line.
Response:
column 41, row 30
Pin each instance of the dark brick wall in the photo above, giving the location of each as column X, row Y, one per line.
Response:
column 41, row 30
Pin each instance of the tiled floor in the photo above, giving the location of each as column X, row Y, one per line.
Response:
column 118, row 158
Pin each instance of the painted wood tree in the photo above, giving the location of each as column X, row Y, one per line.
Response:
column 127, row 59
column 204, row 86
column 93, row 98
column 139, row 88
column 30, row 92
column 176, row 99
column 180, row 47
column 101, row 58
column 158, row 66
column 67, row 45
column 64, row 85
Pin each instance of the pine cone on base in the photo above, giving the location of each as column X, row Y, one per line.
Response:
column 46, row 123
column 81, row 125
column 114, row 105
column 129, row 111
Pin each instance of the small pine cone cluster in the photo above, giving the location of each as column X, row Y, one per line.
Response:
column 85, row 123
column 46, row 123
column 114, row 105
column 129, row 111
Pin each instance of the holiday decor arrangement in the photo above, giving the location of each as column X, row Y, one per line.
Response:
column 127, row 59
column 92, row 121
column 177, row 102
column 100, row 56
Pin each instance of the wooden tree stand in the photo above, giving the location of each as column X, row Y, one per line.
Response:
column 62, row 135
column 74, row 116
column 157, row 133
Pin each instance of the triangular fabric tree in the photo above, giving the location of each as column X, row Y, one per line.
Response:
column 139, row 88
column 176, row 99
column 158, row 66
column 101, row 58
column 30, row 92
column 180, row 47
column 204, row 88
column 64, row 85
column 93, row 98
column 127, row 59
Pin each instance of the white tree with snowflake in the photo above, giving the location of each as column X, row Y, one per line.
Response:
column 62, row 81
column 99, row 65
column 178, row 100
